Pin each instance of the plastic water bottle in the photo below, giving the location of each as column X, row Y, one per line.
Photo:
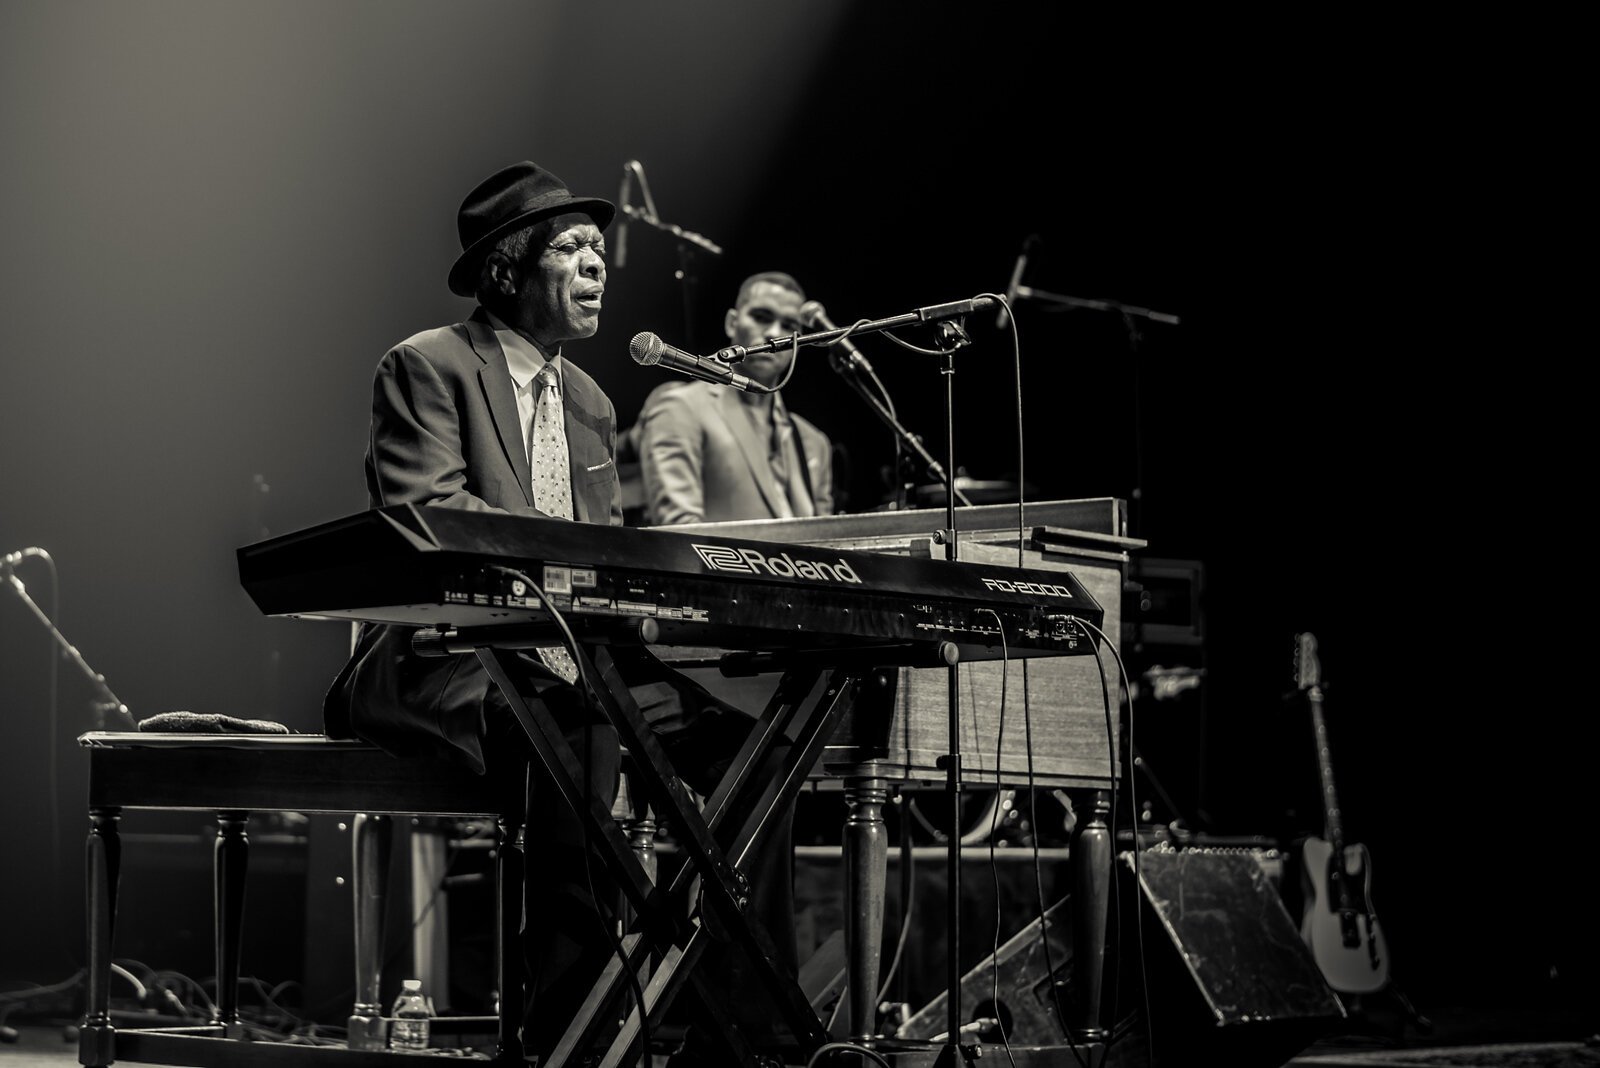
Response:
column 411, row 1015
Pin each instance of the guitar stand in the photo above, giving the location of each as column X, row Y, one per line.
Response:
column 1413, row 1017
column 715, row 842
column 1392, row 991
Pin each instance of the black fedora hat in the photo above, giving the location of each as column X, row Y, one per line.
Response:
column 508, row 200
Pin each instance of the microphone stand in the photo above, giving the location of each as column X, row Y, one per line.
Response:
column 109, row 702
column 912, row 443
column 948, row 319
column 955, row 337
column 1129, row 312
column 687, row 242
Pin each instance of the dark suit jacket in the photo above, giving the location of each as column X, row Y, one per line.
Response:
column 445, row 432
column 703, row 461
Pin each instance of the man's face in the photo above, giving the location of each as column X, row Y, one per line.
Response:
column 563, row 280
column 767, row 311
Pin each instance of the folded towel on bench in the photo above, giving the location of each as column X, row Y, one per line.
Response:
column 181, row 722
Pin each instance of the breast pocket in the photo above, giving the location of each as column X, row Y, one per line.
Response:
column 604, row 472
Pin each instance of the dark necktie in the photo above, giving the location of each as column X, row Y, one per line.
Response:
column 784, row 455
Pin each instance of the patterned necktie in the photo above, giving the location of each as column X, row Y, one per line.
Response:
column 785, row 458
column 552, row 482
column 547, row 450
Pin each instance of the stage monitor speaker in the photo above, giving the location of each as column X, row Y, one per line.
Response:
column 1022, row 969
column 1229, row 980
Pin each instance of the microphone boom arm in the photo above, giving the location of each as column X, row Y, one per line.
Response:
column 646, row 216
column 933, row 313
column 1062, row 302
column 109, row 702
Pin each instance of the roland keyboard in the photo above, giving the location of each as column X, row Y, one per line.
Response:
column 446, row 568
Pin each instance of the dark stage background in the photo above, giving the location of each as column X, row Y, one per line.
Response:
column 216, row 217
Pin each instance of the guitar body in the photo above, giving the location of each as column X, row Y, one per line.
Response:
column 1347, row 943
column 1338, row 923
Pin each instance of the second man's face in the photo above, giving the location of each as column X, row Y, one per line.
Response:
column 564, row 282
column 768, row 311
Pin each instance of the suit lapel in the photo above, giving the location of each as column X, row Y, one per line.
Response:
column 750, row 444
column 495, row 379
column 804, row 456
column 577, row 409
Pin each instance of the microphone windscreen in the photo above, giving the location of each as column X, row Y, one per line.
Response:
column 645, row 348
column 812, row 314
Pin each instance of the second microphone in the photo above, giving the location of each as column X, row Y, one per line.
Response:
column 648, row 349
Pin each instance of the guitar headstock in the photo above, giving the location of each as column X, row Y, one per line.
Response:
column 1307, row 669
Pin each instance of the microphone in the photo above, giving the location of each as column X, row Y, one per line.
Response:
column 622, row 209
column 935, row 313
column 815, row 316
column 647, row 349
column 644, row 191
column 1021, row 265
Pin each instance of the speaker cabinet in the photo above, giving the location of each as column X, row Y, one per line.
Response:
column 1229, row 980
column 1025, row 1004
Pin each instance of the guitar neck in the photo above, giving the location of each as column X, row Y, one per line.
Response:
column 1330, row 798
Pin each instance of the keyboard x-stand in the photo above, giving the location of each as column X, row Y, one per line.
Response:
column 853, row 617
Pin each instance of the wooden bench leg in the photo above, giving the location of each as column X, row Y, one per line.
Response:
column 510, row 866
column 231, row 861
column 370, row 843
column 638, row 822
column 866, row 858
column 96, row 1037
column 430, row 915
column 1091, row 891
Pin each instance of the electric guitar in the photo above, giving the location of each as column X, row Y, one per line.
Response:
column 1339, row 924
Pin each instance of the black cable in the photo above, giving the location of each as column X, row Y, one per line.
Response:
column 888, row 402
column 919, row 350
column 55, row 724
column 1038, row 880
column 1116, row 897
column 616, row 943
column 830, row 1048
column 933, row 832
column 1027, row 711
column 794, row 358
column 994, row 819
column 906, row 906
column 585, row 691
column 884, row 408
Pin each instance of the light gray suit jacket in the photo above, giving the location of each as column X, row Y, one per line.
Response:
column 703, row 461
column 445, row 432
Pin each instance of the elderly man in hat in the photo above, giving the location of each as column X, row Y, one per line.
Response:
column 490, row 414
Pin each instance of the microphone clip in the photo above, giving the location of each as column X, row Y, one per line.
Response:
column 953, row 334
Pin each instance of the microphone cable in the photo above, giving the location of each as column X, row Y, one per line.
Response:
column 1116, row 895
column 994, row 821
column 885, row 407
column 863, row 365
column 578, row 659
column 794, row 360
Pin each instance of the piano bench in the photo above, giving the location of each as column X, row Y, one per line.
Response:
column 235, row 775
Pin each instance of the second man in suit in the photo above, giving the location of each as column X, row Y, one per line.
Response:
column 711, row 453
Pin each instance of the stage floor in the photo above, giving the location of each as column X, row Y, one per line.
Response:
column 1463, row 1036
